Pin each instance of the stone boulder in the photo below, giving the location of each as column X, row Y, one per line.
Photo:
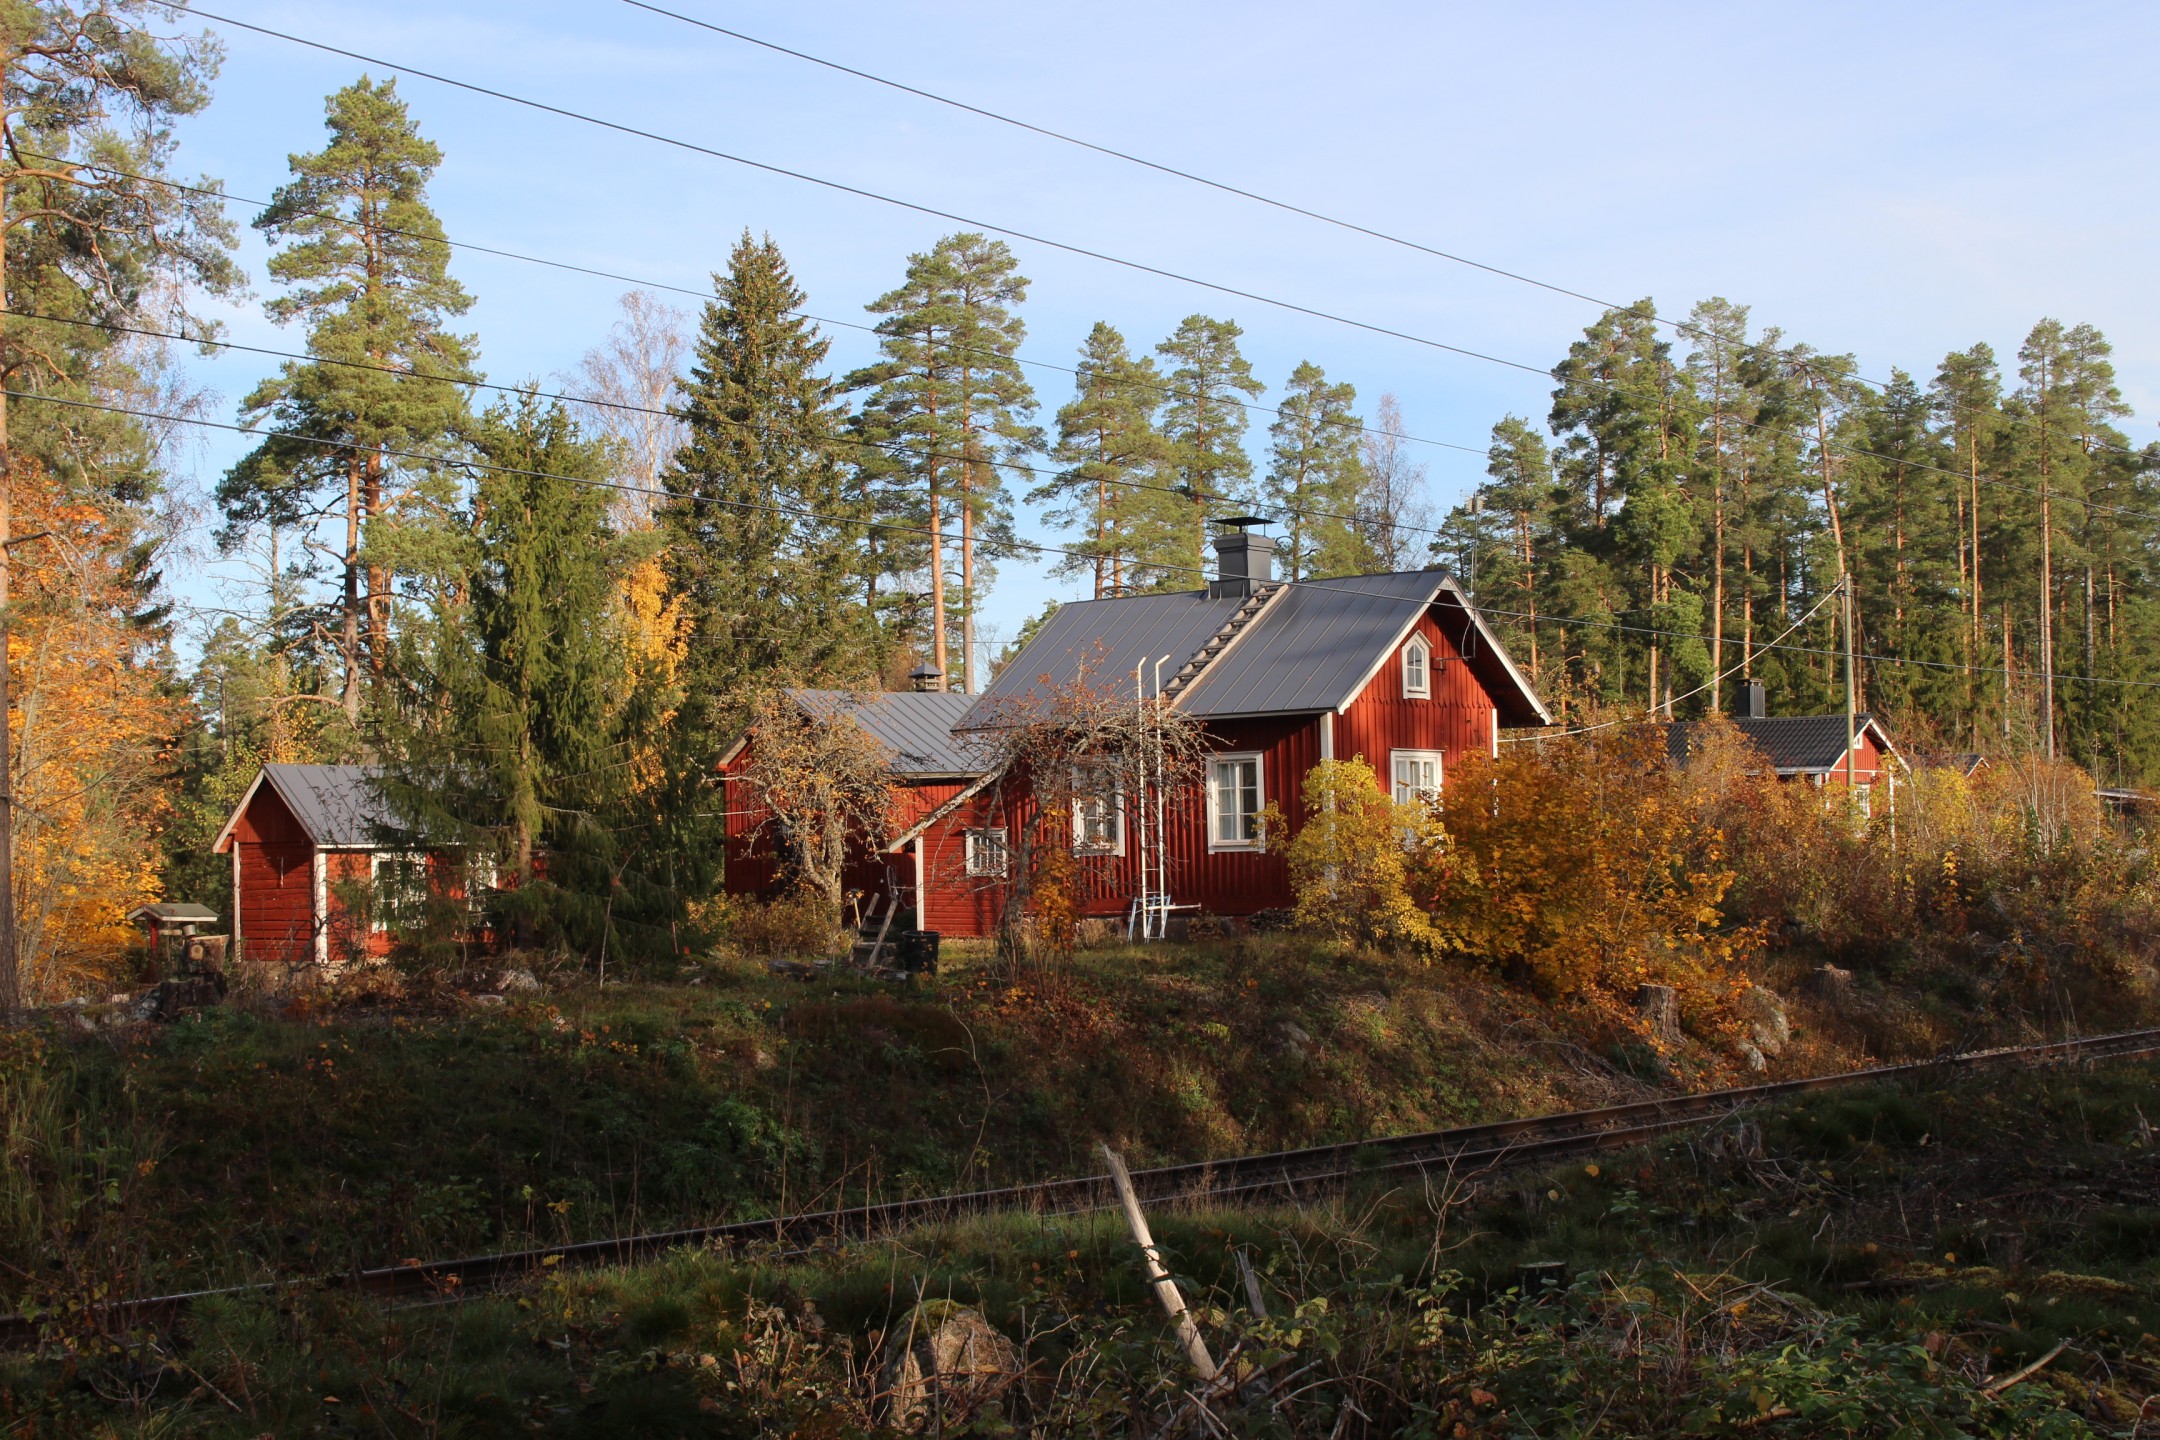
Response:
column 948, row 1366
column 1769, row 1028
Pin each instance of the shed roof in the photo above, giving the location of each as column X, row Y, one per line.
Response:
column 1794, row 744
column 337, row 805
column 174, row 912
column 915, row 727
column 1311, row 646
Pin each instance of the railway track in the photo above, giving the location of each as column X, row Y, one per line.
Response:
column 1279, row 1175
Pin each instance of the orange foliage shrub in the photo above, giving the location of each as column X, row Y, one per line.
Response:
column 93, row 728
column 1579, row 866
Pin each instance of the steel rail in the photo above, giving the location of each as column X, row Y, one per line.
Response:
column 1285, row 1174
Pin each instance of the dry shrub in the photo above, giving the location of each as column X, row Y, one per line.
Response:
column 796, row 925
column 1581, row 867
column 1350, row 861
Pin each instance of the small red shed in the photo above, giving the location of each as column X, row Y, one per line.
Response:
column 301, row 836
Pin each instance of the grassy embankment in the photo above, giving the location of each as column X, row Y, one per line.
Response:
column 1865, row 1263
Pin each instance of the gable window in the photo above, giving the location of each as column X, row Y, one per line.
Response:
column 1417, row 669
column 1098, row 813
column 399, row 886
column 1417, row 775
column 987, row 854
column 1236, row 795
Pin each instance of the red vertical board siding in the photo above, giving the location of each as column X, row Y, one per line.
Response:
column 346, row 872
column 1867, row 763
column 1455, row 720
column 277, row 882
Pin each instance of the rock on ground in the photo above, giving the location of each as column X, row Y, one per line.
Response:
column 948, row 1365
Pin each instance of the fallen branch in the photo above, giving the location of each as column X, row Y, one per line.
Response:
column 1996, row 1387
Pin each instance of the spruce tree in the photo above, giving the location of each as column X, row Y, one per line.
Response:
column 764, row 525
column 1204, row 423
column 366, row 270
column 1314, row 477
column 951, row 389
column 1113, row 458
column 519, row 729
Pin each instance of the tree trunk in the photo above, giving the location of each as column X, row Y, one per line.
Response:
column 349, row 641
column 10, row 973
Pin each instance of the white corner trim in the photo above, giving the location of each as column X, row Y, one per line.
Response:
column 1327, row 734
column 322, row 907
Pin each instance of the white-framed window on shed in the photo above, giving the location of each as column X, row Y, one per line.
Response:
column 1237, row 792
column 398, row 886
column 988, row 856
column 1417, row 775
column 1417, row 669
column 1098, row 812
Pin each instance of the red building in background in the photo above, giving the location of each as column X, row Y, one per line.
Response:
column 1398, row 669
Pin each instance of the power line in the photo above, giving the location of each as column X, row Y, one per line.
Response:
column 842, row 187
column 1679, row 327
column 808, row 513
column 1162, row 387
column 859, row 191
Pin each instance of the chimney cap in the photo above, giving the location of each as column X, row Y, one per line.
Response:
column 1242, row 522
column 926, row 677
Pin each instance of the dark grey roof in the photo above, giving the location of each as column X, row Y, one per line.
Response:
column 1309, row 648
column 1793, row 744
column 916, row 727
column 1313, row 645
column 338, row 805
column 1102, row 640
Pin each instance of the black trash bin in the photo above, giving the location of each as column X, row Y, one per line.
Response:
column 916, row 952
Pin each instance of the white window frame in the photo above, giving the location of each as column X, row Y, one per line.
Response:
column 1421, row 687
column 1395, row 780
column 1092, row 788
column 380, row 903
column 1217, row 844
column 983, row 861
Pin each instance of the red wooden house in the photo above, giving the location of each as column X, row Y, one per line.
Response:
column 1813, row 748
column 1399, row 669
column 302, row 840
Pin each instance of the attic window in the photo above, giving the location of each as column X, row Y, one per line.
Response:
column 1417, row 669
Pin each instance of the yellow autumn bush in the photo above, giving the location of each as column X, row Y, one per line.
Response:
column 1350, row 861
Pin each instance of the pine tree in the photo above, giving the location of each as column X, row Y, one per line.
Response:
column 1967, row 396
column 1204, row 422
column 1518, row 506
column 366, row 269
column 765, row 531
column 1314, row 477
column 1113, row 457
column 951, row 388
column 1717, row 370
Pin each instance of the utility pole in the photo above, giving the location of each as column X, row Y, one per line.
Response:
column 1852, row 738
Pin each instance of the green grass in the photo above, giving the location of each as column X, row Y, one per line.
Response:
column 1865, row 1269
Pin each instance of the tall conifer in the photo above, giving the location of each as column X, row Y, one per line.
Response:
column 1314, row 477
column 764, row 527
column 951, row 389
column 1204, row 421
column 1113, row 458
column 366, row 270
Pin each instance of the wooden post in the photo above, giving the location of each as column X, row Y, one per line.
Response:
column 1166, row 1290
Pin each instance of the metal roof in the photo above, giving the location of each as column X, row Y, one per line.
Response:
column 1793, row 744
column 915, row 727
column 1311, row 647
column 1101, row 641
column 338, row 805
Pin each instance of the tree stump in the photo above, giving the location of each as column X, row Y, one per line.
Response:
column 949, row 1366
column 1659, row 1005
column 1830, row 983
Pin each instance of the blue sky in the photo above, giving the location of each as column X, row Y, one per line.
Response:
column 1892, row 181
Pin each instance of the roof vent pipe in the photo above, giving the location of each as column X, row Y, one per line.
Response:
column 1244, row 561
